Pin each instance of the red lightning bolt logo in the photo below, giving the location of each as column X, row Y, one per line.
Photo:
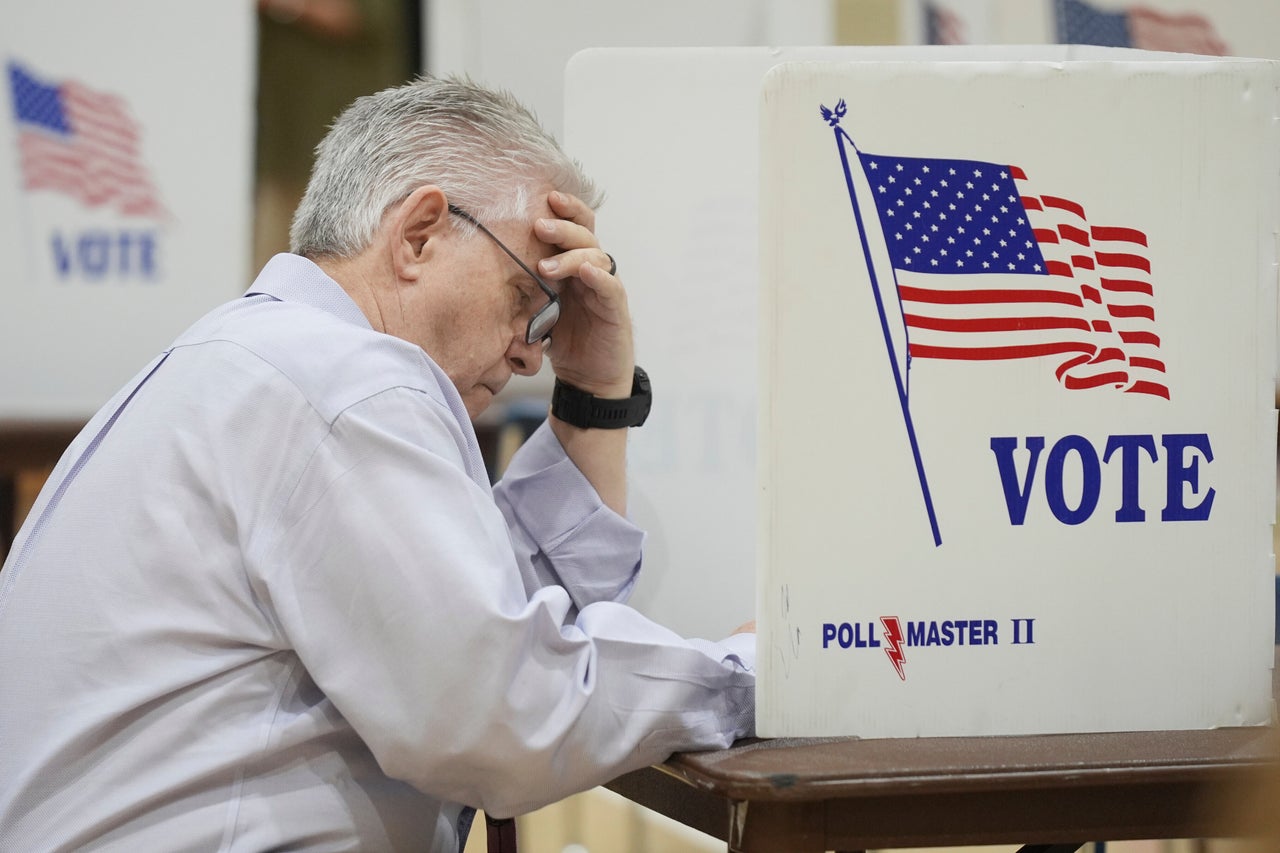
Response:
column 893, row 643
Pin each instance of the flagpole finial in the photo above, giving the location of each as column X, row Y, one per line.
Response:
column 832, row 117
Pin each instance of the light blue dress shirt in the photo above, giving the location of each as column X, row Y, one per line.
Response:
column 269, row 600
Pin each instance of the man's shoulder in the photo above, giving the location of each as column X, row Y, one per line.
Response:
column 332, row 363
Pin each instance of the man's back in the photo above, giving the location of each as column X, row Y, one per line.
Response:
column 150, row 690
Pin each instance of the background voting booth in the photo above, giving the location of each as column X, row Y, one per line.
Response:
column 124, row 190
column 1032, row 493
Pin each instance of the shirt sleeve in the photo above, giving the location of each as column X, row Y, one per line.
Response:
column 561, row 532
column 392, row 575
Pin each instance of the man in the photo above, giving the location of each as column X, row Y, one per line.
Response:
column 268, row 600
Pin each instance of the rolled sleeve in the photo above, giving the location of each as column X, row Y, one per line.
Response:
column 562, row 532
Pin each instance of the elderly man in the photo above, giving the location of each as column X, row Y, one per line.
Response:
column 268, row 599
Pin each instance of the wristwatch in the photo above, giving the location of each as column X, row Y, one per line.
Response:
column 581, row 409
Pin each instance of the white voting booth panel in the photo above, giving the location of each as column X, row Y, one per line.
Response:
column 125, row 164
column 674, row 136
column 1017, row 434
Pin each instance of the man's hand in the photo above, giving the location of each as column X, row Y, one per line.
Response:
column 591, row 346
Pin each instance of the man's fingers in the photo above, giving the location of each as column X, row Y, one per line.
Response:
column 569, row 264
column 572, row 208
column 566, row 234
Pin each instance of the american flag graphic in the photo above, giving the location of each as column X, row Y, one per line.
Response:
column 1079, row 22
column 943, row 26
column 83, row 143
column 986, row 269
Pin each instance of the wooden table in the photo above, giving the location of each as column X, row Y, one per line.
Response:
column 798, row 795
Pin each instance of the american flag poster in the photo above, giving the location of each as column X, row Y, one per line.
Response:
column 81, row 142
column 1017, row 427
column 125, row 169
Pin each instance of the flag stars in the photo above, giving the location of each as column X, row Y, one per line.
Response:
column 882, row 188
column 977, row 173
column 986, row 265
column 874, row 164
column 919, row 181
column 934, row 262
column 900, row 167
column 968, row 185
column 892, row 179
column 951, row 239
column 926, row 170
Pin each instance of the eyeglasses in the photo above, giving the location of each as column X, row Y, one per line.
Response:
column 541, row 323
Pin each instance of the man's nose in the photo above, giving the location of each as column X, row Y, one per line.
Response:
column 525, row 358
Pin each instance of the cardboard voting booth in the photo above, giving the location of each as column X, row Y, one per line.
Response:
column 125, row 167
column 1017, row 437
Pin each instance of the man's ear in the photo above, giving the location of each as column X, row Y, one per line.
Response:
column 415, row 224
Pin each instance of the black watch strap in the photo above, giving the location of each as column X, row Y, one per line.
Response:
column 581, row 409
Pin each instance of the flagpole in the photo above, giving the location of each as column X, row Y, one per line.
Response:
column 834, row 121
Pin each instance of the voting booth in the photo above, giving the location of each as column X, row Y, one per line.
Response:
column 1013, row 468
column 125, row 168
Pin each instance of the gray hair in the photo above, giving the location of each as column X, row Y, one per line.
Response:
column 482, row 147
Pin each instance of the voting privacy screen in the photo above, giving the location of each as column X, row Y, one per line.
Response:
column 1016, row 450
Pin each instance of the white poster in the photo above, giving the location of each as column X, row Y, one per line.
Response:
column 1017, row 433
column 124, row 189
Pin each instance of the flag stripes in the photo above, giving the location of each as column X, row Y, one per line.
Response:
column 81, row 143
column 986, row 269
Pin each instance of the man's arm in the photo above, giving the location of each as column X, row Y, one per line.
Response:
column 414, row 623
column 592, row 347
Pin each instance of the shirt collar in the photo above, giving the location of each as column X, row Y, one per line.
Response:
column 293, row 278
